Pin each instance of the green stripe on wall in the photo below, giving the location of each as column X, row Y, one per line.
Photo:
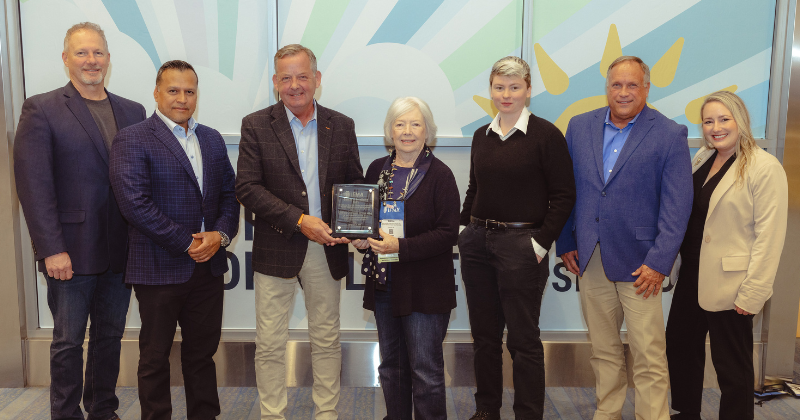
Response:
column 228, row 15
column 499, row 37
column 322, row 23
column 547, row 15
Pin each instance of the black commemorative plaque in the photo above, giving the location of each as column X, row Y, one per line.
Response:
column 355, row 211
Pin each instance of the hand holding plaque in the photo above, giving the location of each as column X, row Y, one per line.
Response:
column 355, row 211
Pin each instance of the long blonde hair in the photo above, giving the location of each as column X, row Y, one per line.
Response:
column 746, row 145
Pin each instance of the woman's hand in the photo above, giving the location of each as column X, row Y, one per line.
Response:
column 741, row 311
column 389, row 244
column 360, row 243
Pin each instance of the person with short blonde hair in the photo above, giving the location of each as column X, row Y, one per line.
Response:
column 521, row 191
column 727, row 262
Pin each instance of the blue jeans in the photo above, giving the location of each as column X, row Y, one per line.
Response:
column 104, row 299
column 412, row 361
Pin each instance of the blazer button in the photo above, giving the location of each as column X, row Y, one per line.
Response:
column 603, row 193
column 303, row 193
column 708, row 238
column 597, row 219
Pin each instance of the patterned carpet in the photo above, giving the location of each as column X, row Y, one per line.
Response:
column 367, row 403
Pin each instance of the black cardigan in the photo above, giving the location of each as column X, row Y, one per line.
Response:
column 424, row 279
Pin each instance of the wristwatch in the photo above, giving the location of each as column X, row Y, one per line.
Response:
column 225, row 240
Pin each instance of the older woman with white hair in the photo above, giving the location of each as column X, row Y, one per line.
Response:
column 410, row 278
column 521, row 192
column 728, row 260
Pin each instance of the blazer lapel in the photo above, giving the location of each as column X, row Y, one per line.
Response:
column 119, row 116
column 724, row 185
column 324, row 136
column 598, row 132
column 162, row 133
column 700, row 158
column 208, row 168
column 642, row 126
column 78, row 108
column 282, row 129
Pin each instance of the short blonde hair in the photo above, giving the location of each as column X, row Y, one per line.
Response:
column 746, row 144
column 402, row 106
column 84, row 26
column 511, row 66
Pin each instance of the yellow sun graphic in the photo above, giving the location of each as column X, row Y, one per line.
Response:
column 556, row 80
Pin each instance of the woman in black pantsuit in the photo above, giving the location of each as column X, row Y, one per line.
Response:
column 727, row 261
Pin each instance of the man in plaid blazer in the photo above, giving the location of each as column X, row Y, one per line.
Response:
column 175, row 186
column 290, row 155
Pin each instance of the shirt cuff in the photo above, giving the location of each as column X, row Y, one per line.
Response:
column 461, row 228
column 538, row 249
column 190, row 245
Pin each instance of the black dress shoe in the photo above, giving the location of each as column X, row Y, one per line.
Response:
column 483, row 415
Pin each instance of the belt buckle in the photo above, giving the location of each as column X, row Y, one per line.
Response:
column 495, row 225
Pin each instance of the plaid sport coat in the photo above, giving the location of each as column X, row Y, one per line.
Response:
column 159, row 195
column 270, row 185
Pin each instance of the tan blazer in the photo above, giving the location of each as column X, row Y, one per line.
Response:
column 743, row 235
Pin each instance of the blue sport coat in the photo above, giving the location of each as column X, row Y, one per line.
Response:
column 61, row 171
column 640, row 215
column 159, row 195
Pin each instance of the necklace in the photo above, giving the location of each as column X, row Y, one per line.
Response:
column 390, row 188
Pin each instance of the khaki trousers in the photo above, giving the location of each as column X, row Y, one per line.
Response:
column 605, row 305
column 274, row 297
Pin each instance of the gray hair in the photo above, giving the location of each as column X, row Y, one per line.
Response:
column 624, row 58
column 84, row 26
column 402, row 106
column 292, row 49
column 511, row 66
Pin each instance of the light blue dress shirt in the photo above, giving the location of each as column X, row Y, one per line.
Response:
column 191, row 145
column 306, row 142
column 613, row 140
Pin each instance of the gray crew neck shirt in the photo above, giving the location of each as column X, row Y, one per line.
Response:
column 103, row 116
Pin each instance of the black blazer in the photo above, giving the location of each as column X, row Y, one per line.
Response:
column 269, row 184
column 61, row 170
column 423, row 280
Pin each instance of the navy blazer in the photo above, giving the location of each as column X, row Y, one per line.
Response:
column 640, row 215
column 160, row 197
column 61, row 170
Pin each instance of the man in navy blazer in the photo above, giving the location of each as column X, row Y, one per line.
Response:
column 175, row 186
column 634, row 184
column 79, row 237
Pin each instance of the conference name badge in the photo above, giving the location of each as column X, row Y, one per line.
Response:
column 392, row 216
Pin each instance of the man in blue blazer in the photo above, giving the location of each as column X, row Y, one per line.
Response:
column 634, row 184
column 79, row 237
column 175, row 185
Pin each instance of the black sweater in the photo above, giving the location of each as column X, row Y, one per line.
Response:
column 424, row 280
column 526, row 178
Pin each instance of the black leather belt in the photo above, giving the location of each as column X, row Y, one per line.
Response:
column 496, row 225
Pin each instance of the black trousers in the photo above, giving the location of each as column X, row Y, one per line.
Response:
column 504, row 285
column 197, row 306
column 731, row 339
